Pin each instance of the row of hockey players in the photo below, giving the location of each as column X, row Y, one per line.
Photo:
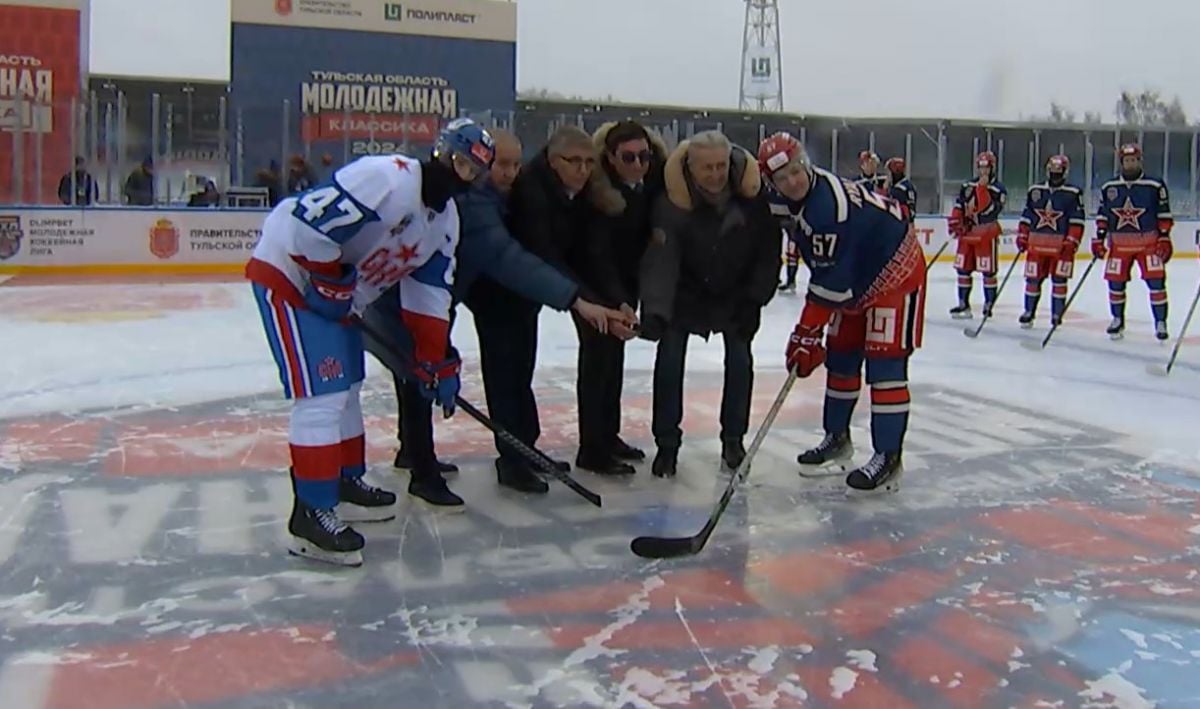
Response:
column 598, row 225
column 1133, row 225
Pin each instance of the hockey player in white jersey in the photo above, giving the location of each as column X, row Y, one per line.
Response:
column 325, row 255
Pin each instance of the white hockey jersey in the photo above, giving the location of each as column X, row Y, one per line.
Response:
column 369, row 215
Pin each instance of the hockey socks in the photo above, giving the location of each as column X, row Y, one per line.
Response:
column 1033, row 294
column 964, row 287
column 889, row 402
column 1158, row 298
column 1116, row 299
column 989, row 291
column 1058, row 298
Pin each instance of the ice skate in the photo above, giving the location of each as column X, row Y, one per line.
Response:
column 881, row 474
column 789, row 288
column 1056, row 320
column 321, row 536
column 1026, row 320
column 1116, row 329
column 830, row 457
column 962, row 311
column 433, row 493
column 987, row 309
column 361, row 502
column 1160, row 330
column 666, row 462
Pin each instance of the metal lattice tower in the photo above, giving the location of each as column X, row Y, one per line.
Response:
column 762, row 76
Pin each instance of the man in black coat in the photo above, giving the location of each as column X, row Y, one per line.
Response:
column 549, row 216
column 623, row 190
column 710, row 267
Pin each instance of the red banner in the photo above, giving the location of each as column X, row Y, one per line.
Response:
column 336, row 126
column 39, row 74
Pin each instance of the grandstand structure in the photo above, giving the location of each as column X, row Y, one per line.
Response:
column 940, row 153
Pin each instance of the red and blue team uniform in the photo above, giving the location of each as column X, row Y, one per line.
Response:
column 1050, row 230
column 325, row 255
column 905, row 194
column 867, row 284
column 1134, row 226
column 975, row 221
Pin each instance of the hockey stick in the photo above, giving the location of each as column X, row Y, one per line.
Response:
column 938, row 253
column 670, row 547
column 987, row 315
column 539, row 459
column 1030, row 344
column 1162, row 371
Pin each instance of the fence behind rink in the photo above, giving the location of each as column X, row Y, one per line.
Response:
column 192, row 138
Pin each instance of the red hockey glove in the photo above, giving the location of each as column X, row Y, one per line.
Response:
column 1164, row 249
column 955, row 222
column 1069, row 248
column 1098, row 248
column 1023, row 238
column 806, row 346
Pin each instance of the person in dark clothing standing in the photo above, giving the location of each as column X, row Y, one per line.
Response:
column 710, row 267
column 622, row 190
column 77, row 188
column 139, row 186
column 550, row 217
column 485, row 249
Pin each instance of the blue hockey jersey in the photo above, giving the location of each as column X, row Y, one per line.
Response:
column 966, row 205
column 1053, row 210
column 904, row 193
column 1140, row 206
column 848, row 237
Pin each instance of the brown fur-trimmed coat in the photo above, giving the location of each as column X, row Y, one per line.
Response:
column 621, row 229
column 706, row 271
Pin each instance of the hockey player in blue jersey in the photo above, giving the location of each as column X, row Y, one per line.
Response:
column 869, row 178
column 900, row 188
column 1049, row 233
column 975, row 221
column 1134, row 225
column 867, row 285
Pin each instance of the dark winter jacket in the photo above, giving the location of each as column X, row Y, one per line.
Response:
column 705, row 271
column 139, row 188
column 85, row 190
column 485, row 248
column 621, row 229
column 549, row 224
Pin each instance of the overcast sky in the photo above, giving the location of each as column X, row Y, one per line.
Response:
column 952, row 58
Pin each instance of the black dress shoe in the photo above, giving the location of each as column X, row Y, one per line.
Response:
column 732, row 454
column 520, row 478
column 604, row 465
column 403, row 462
column 623, row 451
column 665, row 463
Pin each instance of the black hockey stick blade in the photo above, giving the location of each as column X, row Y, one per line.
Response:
column 649, row 547
column 539, row 459
column 973, row 332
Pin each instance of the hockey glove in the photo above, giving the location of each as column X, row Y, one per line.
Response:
column 1023, row 238
column 1069, row 248
column 1098, row 248
column 806, row 349
column 1164, row 249
column 331, row 296
column 439, row 382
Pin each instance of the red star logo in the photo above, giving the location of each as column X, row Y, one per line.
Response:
column 1128, row 215
column 1048, row 217
column 402, row 164
column 406, row 253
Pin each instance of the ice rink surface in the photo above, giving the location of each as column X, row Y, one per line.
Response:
column 1044, row 549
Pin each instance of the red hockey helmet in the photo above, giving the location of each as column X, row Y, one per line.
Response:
column 780, row 150
column 867, row 155
column 988, row 158
column 896, row 165
column 1130, row 150
column 1058, row 163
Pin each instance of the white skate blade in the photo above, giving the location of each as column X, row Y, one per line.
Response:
column 348, row 512
column 298, row 546
column 1026, row 325
column 1117, row 336
column 835, row 466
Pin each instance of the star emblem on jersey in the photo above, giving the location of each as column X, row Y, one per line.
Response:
column 406, row 253
column 1048, row 217
column 1128, row 215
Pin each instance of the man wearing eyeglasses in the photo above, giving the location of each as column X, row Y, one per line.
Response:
column 549, row 216
column 622, row 188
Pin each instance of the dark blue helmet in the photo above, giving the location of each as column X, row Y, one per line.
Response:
column 465, row 137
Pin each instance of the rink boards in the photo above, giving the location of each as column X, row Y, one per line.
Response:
column 141, row 241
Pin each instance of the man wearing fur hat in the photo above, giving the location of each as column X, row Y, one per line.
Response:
column 622, row 190
column 710, row 267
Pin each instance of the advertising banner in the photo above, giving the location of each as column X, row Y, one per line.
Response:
column 461, row 19
column 39, row 74
column 151, row 240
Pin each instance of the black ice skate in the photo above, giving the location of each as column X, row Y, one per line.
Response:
column 831, row 456
column 403, row 462
column 881, row 473
column 1056, row 320
column 732, row 455
column 987, row 309
column 1026, row 320
column 519, row 477
column 1160, row 330
column 1116, row 328
column 320, row 535
column 432, row 491
column 361, row 502
column 666, row 462
column 962, row 311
